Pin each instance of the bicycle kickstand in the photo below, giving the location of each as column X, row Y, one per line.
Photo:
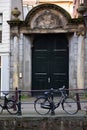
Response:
column 52, row 112
column 52, row 109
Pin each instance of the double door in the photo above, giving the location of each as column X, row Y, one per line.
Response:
column 49, row 61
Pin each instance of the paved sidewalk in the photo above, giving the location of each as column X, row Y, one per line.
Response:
column 27, row 109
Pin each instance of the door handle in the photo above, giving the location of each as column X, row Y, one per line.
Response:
column 48, row 79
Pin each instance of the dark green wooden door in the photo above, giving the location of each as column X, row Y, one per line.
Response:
column 49, row 61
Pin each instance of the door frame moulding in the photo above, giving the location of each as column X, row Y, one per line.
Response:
column 46, row 18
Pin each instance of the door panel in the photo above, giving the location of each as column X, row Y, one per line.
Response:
column 60, row 68
column 49, row 61
column 40, row 69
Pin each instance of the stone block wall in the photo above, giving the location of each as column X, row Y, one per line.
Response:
column 43, row 123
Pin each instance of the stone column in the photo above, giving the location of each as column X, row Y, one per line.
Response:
column 80, row 57
column 15, row 32
column 16, row 63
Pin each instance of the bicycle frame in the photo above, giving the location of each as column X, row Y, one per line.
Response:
column 50, row 96
column 62, row 98
column 5, row 102
column 4, row 106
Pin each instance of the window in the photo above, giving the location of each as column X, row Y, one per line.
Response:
column 1, row 28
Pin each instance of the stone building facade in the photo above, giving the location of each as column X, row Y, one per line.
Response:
column 4, row 44
column 48, row 48
column 5, row 14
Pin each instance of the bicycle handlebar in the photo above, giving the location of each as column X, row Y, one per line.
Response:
column 62, row 88
column 58, row 89
column 53, row 90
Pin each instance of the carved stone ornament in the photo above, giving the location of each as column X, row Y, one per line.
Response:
column 81, row 31
column 47, row 20
column 16, row 13
column 81, row 10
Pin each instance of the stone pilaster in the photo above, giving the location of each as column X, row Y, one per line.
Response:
column 15, row 33
column 16, row 62
column 80, row 57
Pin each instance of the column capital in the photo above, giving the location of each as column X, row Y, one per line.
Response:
column 81, row 30
column 15, row 35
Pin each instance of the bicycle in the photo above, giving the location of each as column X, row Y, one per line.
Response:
column 44, row 104
column 9, row 104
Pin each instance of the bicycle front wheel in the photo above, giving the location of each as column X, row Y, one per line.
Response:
column 42, row 106
column 70, row 106
column 12, row 107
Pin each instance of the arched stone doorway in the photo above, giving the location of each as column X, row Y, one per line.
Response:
column 50, row 57
column 50, row 61
column 44, row 32
column 47, row 21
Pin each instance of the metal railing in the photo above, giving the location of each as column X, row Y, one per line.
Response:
column 17, row 95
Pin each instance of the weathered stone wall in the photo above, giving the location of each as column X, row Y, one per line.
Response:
column 85, row 64
column 43, row 123
column 73, row 49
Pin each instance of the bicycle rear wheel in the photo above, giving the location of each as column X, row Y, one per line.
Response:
column 1, row 108
column 42, row 106
column 70, row 106
column 12, row 107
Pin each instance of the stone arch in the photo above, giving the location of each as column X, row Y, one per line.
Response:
column 47, row 16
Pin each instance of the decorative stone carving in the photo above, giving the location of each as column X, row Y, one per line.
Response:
column 16, row 13
column 81, row 30
column 81, row 10
column 47, row 20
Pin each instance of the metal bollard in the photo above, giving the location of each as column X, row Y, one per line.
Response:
column 19, row 103
column 16, row 94
column 78, row 101
column 52, row 104
column 15, row 98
